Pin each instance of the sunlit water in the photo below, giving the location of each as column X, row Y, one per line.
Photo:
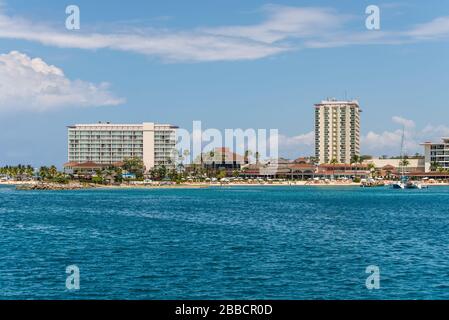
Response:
column 225, row 243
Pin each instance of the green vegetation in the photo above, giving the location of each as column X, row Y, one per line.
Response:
column 134, row 166
column 17, row 172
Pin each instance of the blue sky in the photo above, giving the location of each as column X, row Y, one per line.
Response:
column 230, row 64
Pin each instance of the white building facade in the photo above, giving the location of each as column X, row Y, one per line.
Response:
column 436, row 155
column 106, row 143
column 337, row 130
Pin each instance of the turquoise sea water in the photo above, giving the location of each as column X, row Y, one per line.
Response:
column 225, row 243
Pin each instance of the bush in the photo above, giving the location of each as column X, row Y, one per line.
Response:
column 62, row 180
column 97, row 179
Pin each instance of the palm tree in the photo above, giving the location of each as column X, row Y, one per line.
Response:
column 372, row 168
column 248, row 153
column 333, row 162
column 43, row 172
column 434, row 166
column 186, row 154
column 257, row 155
column 404, row 163
column 355, row 159
column 212, row 160
column 29, row 171
column 53, row 171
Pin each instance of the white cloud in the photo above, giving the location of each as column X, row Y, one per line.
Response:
column 32, row 84
column 285, row 28
column 200, row 44
column 436, row 131
column 284, row 22
column 436, row 28
column 406, row 123
column 294, row 146
column 306, row 139
column 389, row 142
column 373, row 143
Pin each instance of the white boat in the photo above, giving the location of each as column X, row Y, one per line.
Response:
column 404, row 182
column 398, row 185
column 413, row 185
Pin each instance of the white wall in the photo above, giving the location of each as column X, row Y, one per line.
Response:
column 148, row 145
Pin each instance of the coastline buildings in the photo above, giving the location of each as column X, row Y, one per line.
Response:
column 392, row 166
column 290, row 170
column 436, row 155
column 337, row 131
column 223, row 159
column 103, row 144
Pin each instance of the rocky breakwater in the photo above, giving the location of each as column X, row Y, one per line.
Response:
column 54, row 186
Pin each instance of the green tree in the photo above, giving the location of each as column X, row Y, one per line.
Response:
column 221, row 174
column 44, row 173
column 434, row 166
column 355, row 159
column 404, row 163
column 97, row 179
column 371, row 168
column 333, row 162
column 246, row 156
column 135, row 166
column 257, row 155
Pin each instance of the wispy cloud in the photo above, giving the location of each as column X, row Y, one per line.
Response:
column 435, row 29
column 283, row 29
column 172, row 45
column 33, row 85
column 286, row 22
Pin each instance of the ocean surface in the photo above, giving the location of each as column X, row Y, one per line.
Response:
column 225, row 243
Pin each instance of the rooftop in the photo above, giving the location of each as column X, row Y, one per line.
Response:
column 114, row 125
column 444, row 140
column 333, row 101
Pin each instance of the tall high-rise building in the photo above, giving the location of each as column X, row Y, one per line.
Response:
column 337, row 130
column 106, row 143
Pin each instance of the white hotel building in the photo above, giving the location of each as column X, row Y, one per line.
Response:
column 108, row 144
column 337, row 131
column 436, row 155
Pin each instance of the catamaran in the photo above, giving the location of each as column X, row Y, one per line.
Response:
column 404, row 182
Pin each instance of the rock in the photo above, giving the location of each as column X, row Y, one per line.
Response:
column 53, row 186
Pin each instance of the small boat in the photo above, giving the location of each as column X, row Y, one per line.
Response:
column 398, row 185
column 371, row 183
column 413, row 185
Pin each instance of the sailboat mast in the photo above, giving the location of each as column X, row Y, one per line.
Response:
column 402, row 153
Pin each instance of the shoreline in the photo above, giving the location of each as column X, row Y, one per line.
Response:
column 77, row 186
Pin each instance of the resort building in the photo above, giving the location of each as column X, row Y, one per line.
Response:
column 337, row 131
column 436, row 155
column 108, row 144
column 223, row 159
column 218, row 159
column 305, row 171
column 393, row 166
